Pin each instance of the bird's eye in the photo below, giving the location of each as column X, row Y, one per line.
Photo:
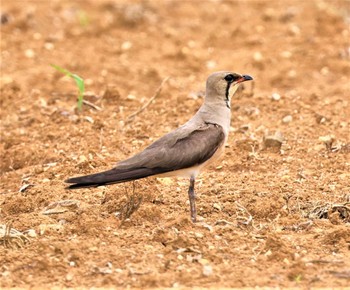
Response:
column 229, row 78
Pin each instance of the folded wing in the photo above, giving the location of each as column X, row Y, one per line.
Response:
column 172, row 152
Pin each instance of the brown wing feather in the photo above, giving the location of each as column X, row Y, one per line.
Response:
column 194, row 149
column 166, row 154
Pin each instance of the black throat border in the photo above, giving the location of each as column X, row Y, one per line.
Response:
column 227, row 100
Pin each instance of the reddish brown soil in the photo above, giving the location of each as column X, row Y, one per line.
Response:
column 268, row 217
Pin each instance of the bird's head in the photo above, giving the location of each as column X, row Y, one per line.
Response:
column 222, row 85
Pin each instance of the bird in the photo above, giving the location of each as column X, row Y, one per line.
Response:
column 185, row 151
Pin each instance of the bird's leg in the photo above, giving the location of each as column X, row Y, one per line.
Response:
column 192, row 197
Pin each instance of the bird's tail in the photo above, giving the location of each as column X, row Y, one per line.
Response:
column 112, row 176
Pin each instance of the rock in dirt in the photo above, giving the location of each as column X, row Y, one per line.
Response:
column 4, row 18
column 273, row 141
column 287, row 119
column 327, row 141
column 29, row 53
column 207, row 270
column 275, row 97
column 111, row 93
column 30, row 233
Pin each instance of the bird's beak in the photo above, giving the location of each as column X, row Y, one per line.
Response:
column 244, row 78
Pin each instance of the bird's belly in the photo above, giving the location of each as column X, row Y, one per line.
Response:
column 186, row 172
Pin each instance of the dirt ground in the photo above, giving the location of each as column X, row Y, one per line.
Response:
column 271, row 214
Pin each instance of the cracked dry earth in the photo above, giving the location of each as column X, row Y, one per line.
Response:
column 274, row 210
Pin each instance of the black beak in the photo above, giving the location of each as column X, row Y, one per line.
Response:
column 245, row 78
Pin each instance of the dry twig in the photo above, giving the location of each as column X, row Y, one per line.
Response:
column 302, row 226
column 97, row 108
column 323, row 211
column 61, row 206
column 86, row 102
column 10, row 237
column 224, row 222
column 156, row 94
column 130, row 206
column 243, row 220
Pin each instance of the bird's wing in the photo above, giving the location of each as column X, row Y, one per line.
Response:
column 172, row 152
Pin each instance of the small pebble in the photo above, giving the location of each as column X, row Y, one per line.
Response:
column 324, row 71
column 89, row 82
column 49, row 46
column 294, row 30
column 258, row 57
column 344, row 176
column 4, row 80
column 217, row 206
column 291, row 74
column 4, row 18
column 286, row 54
column 327, row 140
column 89, row 119
column 207, row 270
column 287, row 119
column 199, row 235
column 131, row 97
column 275, row 97
column 69, row 277
column 286, row 261
column 37, row 36
column 29, row 53
column 191, row 43
column 211, row 64
column 269, row 14
column 185, row 50
column 82, row 158
column 31, row 233
column 274, row 141
column 268, row 253
column 126, row 45
column 73, row 118
column 203, row 262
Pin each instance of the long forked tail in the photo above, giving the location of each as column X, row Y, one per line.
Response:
column 112, row 176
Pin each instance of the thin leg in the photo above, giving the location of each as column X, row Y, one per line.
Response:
column 192, row 197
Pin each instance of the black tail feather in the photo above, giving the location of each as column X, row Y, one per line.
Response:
column 112, row 176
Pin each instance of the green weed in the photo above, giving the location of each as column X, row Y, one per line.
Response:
column 83, row 18
column 79, row 82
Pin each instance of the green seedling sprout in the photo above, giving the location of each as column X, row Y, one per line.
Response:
column 83, row 18
column 79, row 82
